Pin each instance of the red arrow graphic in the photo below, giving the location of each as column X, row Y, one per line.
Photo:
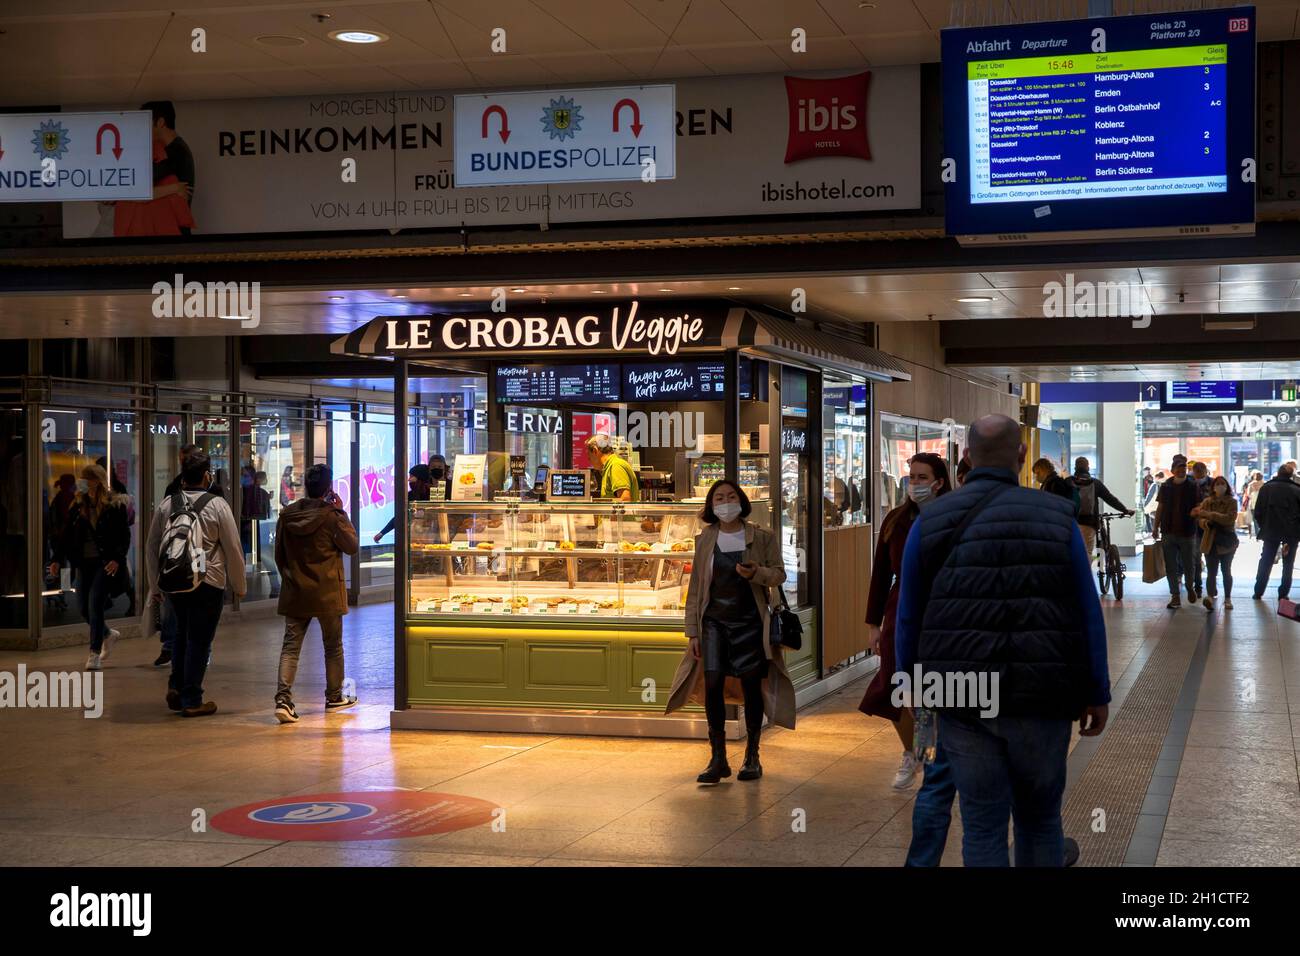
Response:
column 505, row 123
column 2, row 154
column 636, row 116
column 117, row 141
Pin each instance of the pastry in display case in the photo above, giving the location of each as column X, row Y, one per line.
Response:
column 540, row 560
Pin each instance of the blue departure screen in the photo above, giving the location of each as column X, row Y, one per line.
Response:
column 1100, row 125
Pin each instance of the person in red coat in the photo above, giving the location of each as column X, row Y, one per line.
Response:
column 927, row 480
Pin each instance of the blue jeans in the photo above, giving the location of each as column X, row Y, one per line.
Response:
column 1180, row 555
column 92, row 600
column 1009, row 767
column 1267, row 555
column 932, row 812
column 197, row 614
column 167, row 624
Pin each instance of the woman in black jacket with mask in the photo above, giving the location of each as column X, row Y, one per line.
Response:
column 95, row 541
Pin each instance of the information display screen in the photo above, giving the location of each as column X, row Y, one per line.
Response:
column 552, row 383
column 1202, row 396
column 1116, row 125
column 570, row 484
column 673, row 381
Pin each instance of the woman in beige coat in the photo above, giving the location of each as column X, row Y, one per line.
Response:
column 727, row 611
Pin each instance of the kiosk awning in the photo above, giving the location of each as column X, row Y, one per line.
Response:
column 782, row 337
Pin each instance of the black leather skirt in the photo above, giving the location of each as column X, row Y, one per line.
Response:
column 734, row 648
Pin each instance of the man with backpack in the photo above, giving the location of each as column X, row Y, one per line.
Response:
column 1090, row 491
column 192, row 554
column 311, row 537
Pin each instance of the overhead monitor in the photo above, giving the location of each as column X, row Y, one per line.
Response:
column 1114, row 127
column 1202, row 396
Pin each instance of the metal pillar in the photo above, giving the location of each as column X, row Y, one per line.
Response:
column 400, row 597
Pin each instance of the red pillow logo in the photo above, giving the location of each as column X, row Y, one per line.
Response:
column 827, row 117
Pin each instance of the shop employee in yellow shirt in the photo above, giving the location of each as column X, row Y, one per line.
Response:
column 617, row 479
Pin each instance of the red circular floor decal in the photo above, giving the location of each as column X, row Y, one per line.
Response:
column 358, row 815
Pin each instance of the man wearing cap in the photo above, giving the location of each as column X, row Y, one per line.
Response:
column 1277, row 509
column 1175, row 527
column 617, row 479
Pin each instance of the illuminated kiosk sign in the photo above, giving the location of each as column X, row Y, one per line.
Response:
column 1106, row 127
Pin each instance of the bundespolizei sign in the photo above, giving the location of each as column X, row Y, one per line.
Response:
column 607, row 134
column 76, row 156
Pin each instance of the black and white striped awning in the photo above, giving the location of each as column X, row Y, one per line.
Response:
column 784, row 338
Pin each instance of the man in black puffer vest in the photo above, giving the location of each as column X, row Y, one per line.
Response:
column 996, row 593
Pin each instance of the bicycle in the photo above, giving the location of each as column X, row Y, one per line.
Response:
column 1111, row 570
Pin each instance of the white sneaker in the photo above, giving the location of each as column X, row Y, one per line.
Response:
column 907, row 769
column 92, row 662
column 110, row 639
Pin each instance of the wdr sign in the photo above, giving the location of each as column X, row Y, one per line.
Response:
column 1249, row 424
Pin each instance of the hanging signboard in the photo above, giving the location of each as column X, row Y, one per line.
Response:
column 606, row 134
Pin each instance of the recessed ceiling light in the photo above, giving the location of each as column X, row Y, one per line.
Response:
column 976, row 298
column 733, row 288
column 275, row 39
column 597, row 291
column 399, row 295
column 336, row 298
column 357, row 36
column 464, row 295
column 665, row 290
column 518, row 290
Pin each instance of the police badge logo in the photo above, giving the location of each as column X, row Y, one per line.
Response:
column 51, row 140
column 562, row 119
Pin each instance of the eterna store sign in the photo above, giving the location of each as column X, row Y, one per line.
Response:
column 652, row 328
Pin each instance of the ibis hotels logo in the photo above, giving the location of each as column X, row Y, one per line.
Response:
column 827, row 117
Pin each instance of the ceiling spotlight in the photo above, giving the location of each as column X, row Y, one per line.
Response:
column 399, row 295
column 357, row 36
column 518, row 290
column 976, row 298
column 336, row 298
column 465, row 295
column 733, row 288
column 665, row 290
column 597, row 291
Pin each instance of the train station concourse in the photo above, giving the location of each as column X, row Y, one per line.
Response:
column 664, row 439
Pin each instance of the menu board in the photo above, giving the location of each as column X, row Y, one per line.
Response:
column 552, row 383
column 672, row 381
column 569, row 484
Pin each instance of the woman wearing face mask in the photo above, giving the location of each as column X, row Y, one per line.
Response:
column 95, row 541
column 927, row 480
column 1217, row 515
column 727, row 613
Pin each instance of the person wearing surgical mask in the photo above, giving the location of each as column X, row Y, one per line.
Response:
column 728, row 609
column 927, row 480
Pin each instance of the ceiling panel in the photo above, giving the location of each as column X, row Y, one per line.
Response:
column 1239, row 291
column 1182, row 294
column 775, row 20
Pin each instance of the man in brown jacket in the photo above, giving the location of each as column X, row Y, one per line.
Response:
column 311, row 537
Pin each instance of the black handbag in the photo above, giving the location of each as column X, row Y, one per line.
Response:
column 784, row 626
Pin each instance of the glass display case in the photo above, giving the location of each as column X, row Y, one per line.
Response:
column 541, row 561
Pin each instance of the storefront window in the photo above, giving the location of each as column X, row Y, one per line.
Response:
column 167, row 435
column 70, row 440
column 13, row 521
column 897, row 446
column 844, row 452
column 272, row 464
column 1076, row 423
column 795, row 485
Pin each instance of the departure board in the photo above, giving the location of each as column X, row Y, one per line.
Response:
column 1109, row 125
column 557, row 383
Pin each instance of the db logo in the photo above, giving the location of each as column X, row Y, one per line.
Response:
column 1239, row 24
column 827, row 117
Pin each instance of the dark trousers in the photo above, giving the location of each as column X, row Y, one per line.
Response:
column 1180, row 556
column 1267, row 556
column 715, row 705
column 167, row 624
column 932, row 812
column 197, row 614
column 1214, row 562
column 92, row 600
column 1009, row 767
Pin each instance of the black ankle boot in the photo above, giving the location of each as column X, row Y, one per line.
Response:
column 717, row 768
column 752, row 769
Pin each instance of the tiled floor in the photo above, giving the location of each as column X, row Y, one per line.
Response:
column 123, row 789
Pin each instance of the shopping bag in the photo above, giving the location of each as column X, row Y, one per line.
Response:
column 1287, row 608
column 1153, row 562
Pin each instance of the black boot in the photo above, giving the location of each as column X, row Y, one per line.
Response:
column 752, row 769
column 717, row 768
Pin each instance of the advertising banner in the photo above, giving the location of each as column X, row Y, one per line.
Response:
column 745, row 146
column 46, row 157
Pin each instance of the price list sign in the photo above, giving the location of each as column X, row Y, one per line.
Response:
column 552, row 383
column 1116, row 125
